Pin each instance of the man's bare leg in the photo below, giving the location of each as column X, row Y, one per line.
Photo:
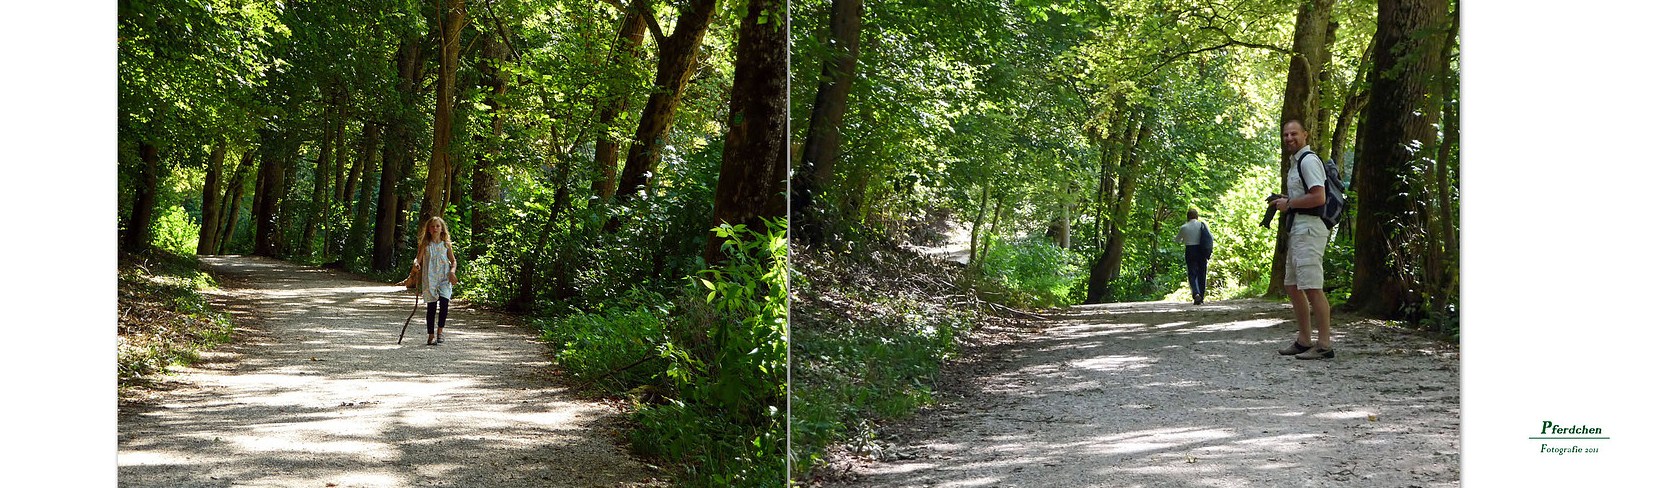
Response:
column 1301, row 308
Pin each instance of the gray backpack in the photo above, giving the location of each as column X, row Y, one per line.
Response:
column 1333, row 210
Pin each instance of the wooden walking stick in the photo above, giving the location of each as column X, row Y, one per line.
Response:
column 415, row 302
column 411, row 284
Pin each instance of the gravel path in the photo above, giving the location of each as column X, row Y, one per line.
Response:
column 1167, row 394
column 315, row 393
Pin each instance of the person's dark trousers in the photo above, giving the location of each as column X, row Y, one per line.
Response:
column 1196, row 257
column 444, row 304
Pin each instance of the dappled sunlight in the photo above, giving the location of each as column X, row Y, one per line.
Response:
column 1155, row 439
column 974, row 482
column 1174, row 395
column 1113, row 363
column 1349, row 414
column 1237, row 325
column 329, row 398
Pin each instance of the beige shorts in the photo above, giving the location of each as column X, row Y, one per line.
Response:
column 1305, row 245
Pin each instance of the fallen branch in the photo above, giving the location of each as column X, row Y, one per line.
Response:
column 617, row 370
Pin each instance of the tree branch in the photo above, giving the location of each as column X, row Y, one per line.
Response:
column 648, row 14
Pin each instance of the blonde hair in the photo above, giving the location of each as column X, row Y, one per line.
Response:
column 424, row 238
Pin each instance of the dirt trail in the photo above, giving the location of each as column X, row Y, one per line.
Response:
column 316, row 394
column 1167, row 394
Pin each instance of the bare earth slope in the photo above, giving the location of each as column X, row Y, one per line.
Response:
column 1176, row 395
column 317, row 394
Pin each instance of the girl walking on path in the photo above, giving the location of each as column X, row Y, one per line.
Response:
column 437, row 273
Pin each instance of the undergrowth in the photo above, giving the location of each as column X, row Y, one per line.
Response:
column 872, row 327
column 162, row 317
column 703, row 366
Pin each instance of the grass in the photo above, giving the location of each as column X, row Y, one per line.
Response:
column 162, row 318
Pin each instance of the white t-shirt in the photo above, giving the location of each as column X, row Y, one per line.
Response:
column 1313, row 174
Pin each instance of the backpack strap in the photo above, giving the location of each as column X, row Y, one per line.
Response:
column 1301, row 178
column 1318, row 209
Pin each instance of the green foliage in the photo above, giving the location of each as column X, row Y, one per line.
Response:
column 1041, row 273
column 1240, row 259
column 175, row 232
column 727, row 420
column 612, row 347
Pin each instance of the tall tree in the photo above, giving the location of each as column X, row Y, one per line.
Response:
column 752, row 176
column 451, row 16
column 318, row 207
column 138, row 237
column 269, row 191
column 397, row 152
column 210, row 228
column 1309, row 44
column 628, row 44
column 359, row 228
column 817, row 162
column 1398, row 132
column 1107, row 267
column 232, row 201
column 483, row 187
column 678, row 54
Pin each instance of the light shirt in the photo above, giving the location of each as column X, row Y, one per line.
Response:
column 1189, row 234
column 1313, row 174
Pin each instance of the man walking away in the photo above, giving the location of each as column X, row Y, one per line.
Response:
column 1196, row 240
column 1306, row 241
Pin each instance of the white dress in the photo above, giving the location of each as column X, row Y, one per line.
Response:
column 435, row 268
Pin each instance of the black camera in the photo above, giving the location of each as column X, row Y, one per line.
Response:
column 1269, row 213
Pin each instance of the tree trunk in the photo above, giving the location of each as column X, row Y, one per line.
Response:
column 356, row 171
column 1309, row 44
column 822, row 145
column 333, row 201
column 1351, row 107
column 451, row 15
column 483, row 185
column 210, row 229
column 979, row 219
column 523, row 300
column 269, row 192
column 628, row 43
column 753, row 174
column 318, row 209
column 678, row 55
column 991, row 230
column 1444, row 262
column 286, row 201
column 138, row 237
column 1107, row 267
column 388, row 197
column 232, row 201
column 397, row 156
column 1060, row 231
column 1395, row 127
column 1321, row 135
column 1448, row 162
column 369, row 139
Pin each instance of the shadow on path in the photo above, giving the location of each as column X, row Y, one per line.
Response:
column 1166, row 394
column 316, row 393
